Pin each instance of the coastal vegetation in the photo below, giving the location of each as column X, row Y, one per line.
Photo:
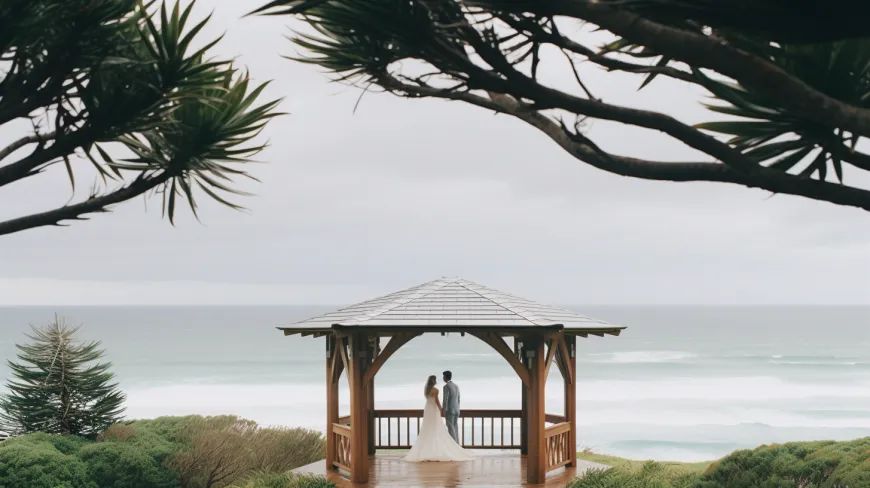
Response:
column 788, row 103
column 125, row 93
column 167, row 452
column 65, row 412
column 229, row 452
column 820, row 464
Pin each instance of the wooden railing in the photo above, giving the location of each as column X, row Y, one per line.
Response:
column 557, row 441
column 478, row 429
column 342, row 446
column 555, row 419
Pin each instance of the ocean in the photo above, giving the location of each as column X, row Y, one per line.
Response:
column 682, row 383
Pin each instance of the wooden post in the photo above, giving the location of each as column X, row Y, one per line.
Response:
column 360, row 358
column 370, row 400
column 536, row 461
column 331, row 399
column 524, row 425
column 571, row 396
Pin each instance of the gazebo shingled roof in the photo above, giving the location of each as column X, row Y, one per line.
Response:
column 449, row 304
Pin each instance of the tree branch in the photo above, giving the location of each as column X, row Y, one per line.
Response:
column 31, row 139
column 538, row 33
column 94, row 204
column 518, row 83
column 29, row 164
column 586, row 151
column 709, row 52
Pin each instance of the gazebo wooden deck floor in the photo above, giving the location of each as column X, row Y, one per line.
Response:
column 501, row 469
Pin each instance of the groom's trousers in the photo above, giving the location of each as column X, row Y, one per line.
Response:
column 452, row 425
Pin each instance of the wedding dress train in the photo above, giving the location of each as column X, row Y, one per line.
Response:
column 433, row 441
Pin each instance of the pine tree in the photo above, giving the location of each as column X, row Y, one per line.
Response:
column 60, row 385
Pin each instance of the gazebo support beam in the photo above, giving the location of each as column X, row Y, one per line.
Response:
column 536, row 462
column 359, row 360
column 396, row 341
column 496, row 342
column 552, row 347
column 569, row 358
column 333, row 374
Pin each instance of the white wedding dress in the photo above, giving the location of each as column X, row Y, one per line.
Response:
column 433, row 441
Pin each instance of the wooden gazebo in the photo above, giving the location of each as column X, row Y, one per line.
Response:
column 531, row 337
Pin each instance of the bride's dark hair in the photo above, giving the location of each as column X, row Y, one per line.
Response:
column 430, row 383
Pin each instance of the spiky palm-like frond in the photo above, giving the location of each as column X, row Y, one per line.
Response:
column 204, row 143
column 777, row 136
column 800, row 105
column 93, row 73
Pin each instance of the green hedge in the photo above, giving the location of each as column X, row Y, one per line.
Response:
column 650, row 475
column 824, row 464
column 40, row 461
column 285, row 480
column 168, row 452
column 120, row 465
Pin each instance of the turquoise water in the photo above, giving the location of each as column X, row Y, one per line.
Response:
column 686, row 383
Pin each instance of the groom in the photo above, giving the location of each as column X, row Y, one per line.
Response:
column 451, row 405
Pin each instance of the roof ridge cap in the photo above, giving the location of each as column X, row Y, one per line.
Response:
column 399, row 302
column 521, row 312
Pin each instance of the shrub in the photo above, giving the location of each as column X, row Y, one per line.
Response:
column 220, row 451
column 825, row 464
column 120, row 465
column 651, row 475
column 168, row 452
column 285, row 480
column 156, row 443
column 36, row 462
column 282, row 449
column 66, row 444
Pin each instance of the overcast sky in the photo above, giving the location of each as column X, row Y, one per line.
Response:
column 405, row 191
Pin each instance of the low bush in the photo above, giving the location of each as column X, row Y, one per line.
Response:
column 650, row 475
column 285, row 480
column 167, row 452
column 221, row 451
column 122, row 465
column 40, row 461
column 158, row 442
column 825, row 464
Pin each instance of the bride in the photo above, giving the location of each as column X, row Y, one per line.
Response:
column 433, row 441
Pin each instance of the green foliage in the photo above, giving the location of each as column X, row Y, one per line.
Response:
column 795, row 91
column 167, row 452
column 156, row 444
column 285, row 480
column 220, row 451
column 635, row 465
column 60, row 386
column 825, row 464
column 36, row 462
column 359, row 43
column 649, row 475
column 101, row 76
column 123, row 465
column 781, row 138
